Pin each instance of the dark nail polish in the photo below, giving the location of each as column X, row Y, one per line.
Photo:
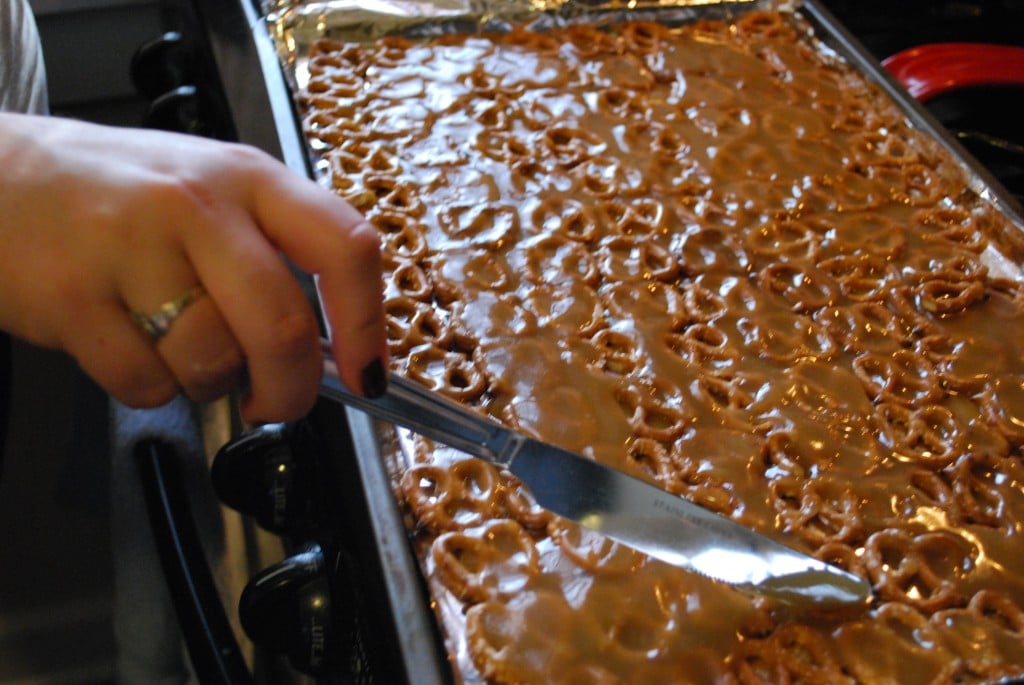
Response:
column 375, row 380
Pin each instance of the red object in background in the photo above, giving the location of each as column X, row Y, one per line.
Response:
column 930, row 70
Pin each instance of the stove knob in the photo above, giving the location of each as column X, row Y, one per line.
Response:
column 287, row 609
column 180, row 110
column 161, row 65
column 258, row 475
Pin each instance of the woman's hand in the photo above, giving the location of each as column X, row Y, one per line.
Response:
column 99, row 222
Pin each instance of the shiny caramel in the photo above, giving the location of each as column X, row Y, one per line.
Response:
column 718, row 258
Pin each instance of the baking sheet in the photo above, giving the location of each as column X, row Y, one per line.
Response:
column 296, row 26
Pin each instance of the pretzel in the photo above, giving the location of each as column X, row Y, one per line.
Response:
column 862, row 277
column 449, row 372
column 655, row 301
column 406, row 278
column 567, row 217
column 497, row 561
column 805, row 289
column 460, row 274
column 918, row 570
column 712, row 249
column 862, row 327
column 592, row 551
column 1003, row 404
column 786, row 337
column 619, row 354
column 704, row 346
column 412, row 323
column 446, row 499
column 817, row 511
column 979, row 499
column 521, row 504
column 650, row 411
column 904, row 377
column 784, row 238
column 577, row 309
column 404, row 236
column 635, row 218
column 555, row 259
column 479, row 224
column 607, row 178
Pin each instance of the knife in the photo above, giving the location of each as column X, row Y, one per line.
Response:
column 615, row 504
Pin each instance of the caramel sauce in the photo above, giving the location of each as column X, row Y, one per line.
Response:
column 721, row 260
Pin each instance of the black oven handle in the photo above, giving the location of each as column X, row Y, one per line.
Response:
column 212, row 647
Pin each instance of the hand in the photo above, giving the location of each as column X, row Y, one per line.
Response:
column 98, row 222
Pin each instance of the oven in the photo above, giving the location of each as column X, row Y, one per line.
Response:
column 348, row 603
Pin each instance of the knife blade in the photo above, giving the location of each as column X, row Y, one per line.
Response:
column 615, row 504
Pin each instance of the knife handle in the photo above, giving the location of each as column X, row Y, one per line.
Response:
column 411, row 405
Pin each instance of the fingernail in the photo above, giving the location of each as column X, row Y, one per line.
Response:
column 375, row 380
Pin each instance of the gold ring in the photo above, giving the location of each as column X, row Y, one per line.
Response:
column 157, row 324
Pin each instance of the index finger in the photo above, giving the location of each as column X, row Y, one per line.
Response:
column 325, row 236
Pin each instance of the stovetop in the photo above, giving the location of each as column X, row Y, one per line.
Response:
column 986, row 121
column 887, row 26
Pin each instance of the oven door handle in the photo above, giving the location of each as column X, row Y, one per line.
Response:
column 212, row 647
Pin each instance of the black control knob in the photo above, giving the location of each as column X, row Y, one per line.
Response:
column 258, row 475
column 287, row 609
column 161, row 65
column 181, row 110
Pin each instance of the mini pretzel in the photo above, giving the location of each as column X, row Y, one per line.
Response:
column 712, row 249
column 702, row 304
column 861, row 277
column 996, row 607
column 805, row 289
column 496, row 561
column 570, row 146
column 461, row 274
column 948, row 297
column 404, row 236
column 787, row 238
column 568, row 217
column 592, row 551
column 521, row 504
column 862, row 327
column 576, row 309
column 412, row 323
column 456, row 498
column 786, row 337
column 1003, row 403
column 979, row 499
column 818, row 510
column 553, row 259
column 904, row 377
column 919, row 570
column 625, row 258
column 649, row 413
column 705, row 346
column 641, row 217
column 619, row 353
column 607, row 178
column 448, row 372
column 406, row 278
column 589, row 41
column 656, row 301
column 480, row 224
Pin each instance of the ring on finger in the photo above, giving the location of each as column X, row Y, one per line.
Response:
column 157, row 324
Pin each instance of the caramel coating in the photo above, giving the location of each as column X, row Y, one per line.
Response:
column 718, row 258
